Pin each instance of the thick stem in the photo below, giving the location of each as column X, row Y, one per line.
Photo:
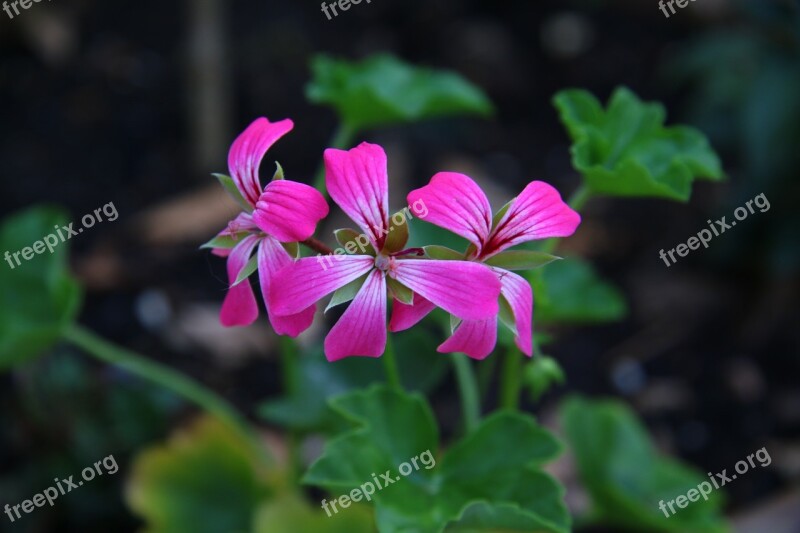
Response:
column 512, row 379
column 343, row 136
column 167, row 378
column 318, row 246
column 390, row 363
column 468, row 389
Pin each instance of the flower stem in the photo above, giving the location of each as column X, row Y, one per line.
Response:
column 291, row 380
column 390, row 363
column 512, row 379
column 166, row 377
column 343, row 136
column 317, row 246
column 468, row 388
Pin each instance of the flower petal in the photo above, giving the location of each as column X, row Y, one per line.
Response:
column 476, row 338
column 405, row 316
column 240, row 307
column 361, row 331
column 301, row 284
column 454, row 202
column 537, row 213
column 465, row 289
column 517, row 291
column 358, row 182
column 272, row 257
column 289, row 211
column 247, row 151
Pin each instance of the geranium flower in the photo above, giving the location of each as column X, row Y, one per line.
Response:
column 456, row 203
column 358, row 182
column 282, row 212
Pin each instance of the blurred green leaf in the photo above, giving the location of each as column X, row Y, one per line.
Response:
column 625, row 150
column 570, row 291
column 485, row 481
column 291, row 514
column 319, row 380
column 382, row 90
column 204, row 478
column 38, row 297
column 625, row 475
column 542, row 373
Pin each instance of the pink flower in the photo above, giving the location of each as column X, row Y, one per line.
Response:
column 456, row 203
column 282, row 212
column 358, row 182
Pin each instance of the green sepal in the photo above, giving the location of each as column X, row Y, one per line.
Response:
column 399, row 291
column 444, row 253
column 229, row 185
column 346, row 293
column 521, row 260
column 398, row 234
column 348, row 236
column 279, row 174
column 247, row 271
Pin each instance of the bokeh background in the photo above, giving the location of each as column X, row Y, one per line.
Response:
column 136, row 103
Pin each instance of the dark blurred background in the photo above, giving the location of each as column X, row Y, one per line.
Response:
column 136, row 103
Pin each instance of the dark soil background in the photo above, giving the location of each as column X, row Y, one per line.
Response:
column 136, row 103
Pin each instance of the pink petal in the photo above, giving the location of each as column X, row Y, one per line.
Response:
column 243, row 222
column 272, row 257
column 462, row 288
column 537, row 213
column 361, row 330
column 240, row 307
column 248, row 150
column 454, row 202
column 517, row 291
column 358, row 181
column 299, row 285
column 476, row 338
column 289, row 211
column 405, row 316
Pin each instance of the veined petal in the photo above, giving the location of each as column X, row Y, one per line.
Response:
column 240, row 307
column 465, row 289
column 517, row 291
column 476, row 338
column 358, row 181
column 537, row 213
column 302, row 283
column 405, row 316
column 454, row 202
column 272, row 257
column 289, row 211
column 247, row 151
column 361, row 331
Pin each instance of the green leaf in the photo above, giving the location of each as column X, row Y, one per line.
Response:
column 521, row 259
column 397, row 237
column 347, row 293
column 204, row 476
column 38, row 297
column 350, row 239
column 382, row 90
column 435, row 251
column 541, row 374
column 306, row 409
column 247, row 270
column 625, row 150
column 489, row 479
column 291, row 514
column 625, row 475
column 224, row 242
column 570, row 291
column 229, row 185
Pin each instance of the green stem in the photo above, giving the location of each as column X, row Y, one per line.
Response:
column 512, row 379
column 166, row 377
column 390, row 363
column 468, row 388
column 343, row 137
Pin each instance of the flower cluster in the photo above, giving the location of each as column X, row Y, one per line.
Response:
column 475, row 286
